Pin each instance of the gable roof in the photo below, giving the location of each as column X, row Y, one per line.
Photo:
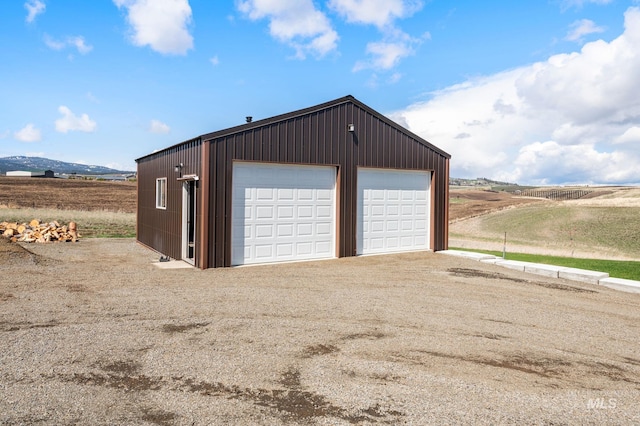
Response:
column 302, row 112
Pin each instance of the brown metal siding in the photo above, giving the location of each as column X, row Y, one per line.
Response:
column 320, row 137
column 157, row 228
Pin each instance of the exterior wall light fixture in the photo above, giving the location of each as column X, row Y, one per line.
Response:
column 351, row 128
column 178, row 167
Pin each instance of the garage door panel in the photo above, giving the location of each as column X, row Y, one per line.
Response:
column 304, row 249
column 305, row 212
column 264, row 212
column 285, row 194
column 323, row 229
column 264, row 231
column 284, row 250
column 324, row 212
column 264, row 194
column 324, row 195
column 392, row 225
column 285, row 212
column 305, row 194
column 377, row 226
column 285, row 230
column 408, row 241
column 393, row 210
column 305, row 230
column 408, row 195
column 290, row 211
column 263, row 251
column 377, row 211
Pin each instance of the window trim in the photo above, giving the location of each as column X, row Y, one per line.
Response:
column 161, row 193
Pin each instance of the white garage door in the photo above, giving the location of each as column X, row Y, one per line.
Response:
column 282, row 213
column 393, row 211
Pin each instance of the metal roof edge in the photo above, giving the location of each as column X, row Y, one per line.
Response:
column 168, row 148
column 276, row 118
column 304, row 111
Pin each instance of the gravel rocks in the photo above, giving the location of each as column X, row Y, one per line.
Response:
column 101, row 336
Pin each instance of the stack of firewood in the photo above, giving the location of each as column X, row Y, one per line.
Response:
column 35, row 231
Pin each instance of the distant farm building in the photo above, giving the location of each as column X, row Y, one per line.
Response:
column 333, row 180
column 22, row 173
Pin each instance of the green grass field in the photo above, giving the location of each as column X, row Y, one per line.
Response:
column 562, row 225
column 91, row 224
column 615, row 268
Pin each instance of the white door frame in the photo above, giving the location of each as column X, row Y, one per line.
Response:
column 189, row 222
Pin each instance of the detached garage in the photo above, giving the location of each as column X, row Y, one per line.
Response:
column 334, row 180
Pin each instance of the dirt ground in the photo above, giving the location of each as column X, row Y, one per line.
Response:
column 68, row 194
column 468, row 203
column 94, row 333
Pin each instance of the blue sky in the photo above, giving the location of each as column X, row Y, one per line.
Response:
column 534, row 92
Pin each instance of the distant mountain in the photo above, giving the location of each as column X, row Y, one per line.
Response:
column 35, row 164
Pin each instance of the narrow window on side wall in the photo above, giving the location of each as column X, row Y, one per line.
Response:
column 161, row 193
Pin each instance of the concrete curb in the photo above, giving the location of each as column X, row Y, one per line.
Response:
column 621, row 284
column 573, row 274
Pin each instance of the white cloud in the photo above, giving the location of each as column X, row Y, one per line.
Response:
column 381, row 13
column 385, row 55
column 396, row 44
column 581, row 28
column 79, row 44
column 34, row 8
column 72, row 41
column 214, row 61
column 308, row 29
column 579, row 163
column 159, row 24
column 159, row 127
column 294, row 22
column 28, row 133
column 631, row 135
column 71, row 122
column 574, row 117
column 54, row 44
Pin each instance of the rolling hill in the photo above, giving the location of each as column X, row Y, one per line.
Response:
column 33, row 164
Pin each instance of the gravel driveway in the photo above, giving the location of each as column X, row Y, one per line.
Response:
column 93, row 333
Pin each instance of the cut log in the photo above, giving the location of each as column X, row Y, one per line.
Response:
column 39, row 232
